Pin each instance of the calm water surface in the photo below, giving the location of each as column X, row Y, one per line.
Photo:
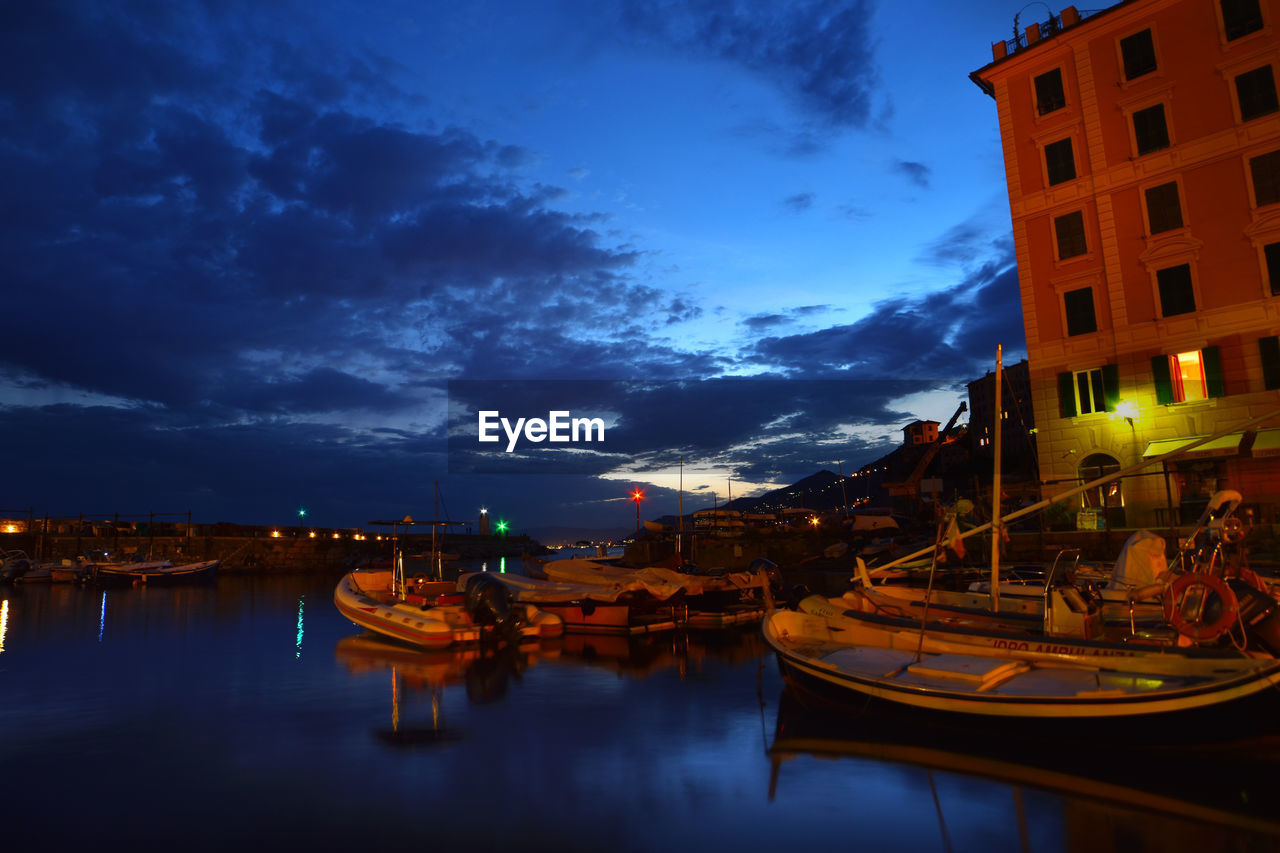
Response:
column 251, row 712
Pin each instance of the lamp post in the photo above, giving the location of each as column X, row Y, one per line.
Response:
column 637, row 495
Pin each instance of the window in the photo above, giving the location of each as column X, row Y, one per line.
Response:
column 1240, row 17
column 1256, row 91
column 1164, row 212
column 1265, row 170
column 1139, row 54
column 1188, row 376
column 1177, row 296
column 1050, row 95
column 1271, row 253
column 1149, row 129
column 1069, row 229
column 1269, row 349
column 1059, row 162
column 1084, row 392
column 1079, row 309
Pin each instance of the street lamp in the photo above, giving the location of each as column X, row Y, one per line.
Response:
column 637, row 495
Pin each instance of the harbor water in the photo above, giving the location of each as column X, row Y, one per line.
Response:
column 249, row 712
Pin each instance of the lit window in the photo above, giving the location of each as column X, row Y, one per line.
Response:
column 1188, row 376
column 1186, row 369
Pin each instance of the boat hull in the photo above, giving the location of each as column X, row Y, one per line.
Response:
column 155, row 574
column 971, row 681
column 364, row 598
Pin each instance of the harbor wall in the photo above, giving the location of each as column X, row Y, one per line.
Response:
column 265, row 555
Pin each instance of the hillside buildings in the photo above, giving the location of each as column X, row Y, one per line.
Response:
column 1142, row 156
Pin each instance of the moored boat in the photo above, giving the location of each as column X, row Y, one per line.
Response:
column 717, row 600
column 1218, row 642
column 153, row 573
column 436, row 614
column 622, row 608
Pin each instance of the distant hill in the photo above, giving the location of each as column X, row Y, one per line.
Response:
column 820, row 491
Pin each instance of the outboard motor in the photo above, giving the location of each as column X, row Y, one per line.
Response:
column 489, row 603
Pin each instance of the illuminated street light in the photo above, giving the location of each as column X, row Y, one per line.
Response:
column 637, row 495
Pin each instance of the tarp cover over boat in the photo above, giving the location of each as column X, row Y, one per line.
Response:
column 1141, row 561
column 660, row 582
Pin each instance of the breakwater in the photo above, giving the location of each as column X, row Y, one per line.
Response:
column 265, row 554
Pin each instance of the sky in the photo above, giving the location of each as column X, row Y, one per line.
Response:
column 261, row 257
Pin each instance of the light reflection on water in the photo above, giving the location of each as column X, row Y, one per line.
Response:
column 197, row 709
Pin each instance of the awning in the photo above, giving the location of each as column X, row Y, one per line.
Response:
column 1267, row 443
column 1227, row 445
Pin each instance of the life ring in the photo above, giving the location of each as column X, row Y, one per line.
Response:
column 1195, row 629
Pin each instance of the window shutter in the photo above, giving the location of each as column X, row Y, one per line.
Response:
column 1214, row 385
column 1269, row 348
column 1110, row 386
column 1164, row 382
column 1066, row 395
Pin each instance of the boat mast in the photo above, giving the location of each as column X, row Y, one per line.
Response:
column 436, row 564
column 680, row 514
column 996, row 522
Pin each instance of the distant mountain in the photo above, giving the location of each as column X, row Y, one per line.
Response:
column 565, row 535
column 820, row 491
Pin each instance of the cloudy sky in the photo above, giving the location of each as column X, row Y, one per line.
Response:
column 248, row 246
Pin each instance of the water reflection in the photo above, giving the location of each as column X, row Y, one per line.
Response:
column 1107, row 793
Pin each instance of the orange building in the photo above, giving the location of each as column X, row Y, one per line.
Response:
column 1142, row 154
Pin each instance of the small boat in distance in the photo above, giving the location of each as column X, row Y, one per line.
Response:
column 153, row 573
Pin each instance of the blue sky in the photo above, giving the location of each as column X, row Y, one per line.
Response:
column 248, row 245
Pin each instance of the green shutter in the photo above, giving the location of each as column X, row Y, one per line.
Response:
column 1269, row 348
column 1214, row 386
column 1110, row 386
column 1066, row 395
column 1164, row 382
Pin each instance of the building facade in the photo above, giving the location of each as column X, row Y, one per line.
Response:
column 1142, row 156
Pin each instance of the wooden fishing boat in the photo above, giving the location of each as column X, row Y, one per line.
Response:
column 622, row 608
column 1219, row 640
column 433, row 614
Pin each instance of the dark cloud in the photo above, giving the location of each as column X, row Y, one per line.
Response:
column 256, row 264
column 918, row 173
column 800, row 202
column 819, row 52
column 949, row 335
column 761, row 322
